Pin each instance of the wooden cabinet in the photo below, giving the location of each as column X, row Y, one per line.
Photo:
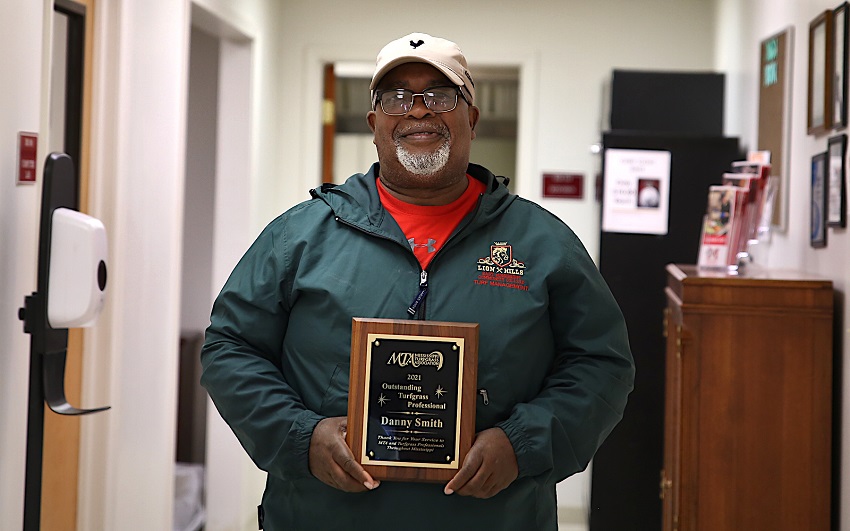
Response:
column 748, row 407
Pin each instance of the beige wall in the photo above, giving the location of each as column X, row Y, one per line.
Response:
column 138, row 136
column 22, row 94
column 743, row 25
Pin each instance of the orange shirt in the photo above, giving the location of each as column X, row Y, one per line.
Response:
column 428, row 227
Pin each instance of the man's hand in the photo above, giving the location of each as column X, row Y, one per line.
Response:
column 332, row 462
column 489, row 467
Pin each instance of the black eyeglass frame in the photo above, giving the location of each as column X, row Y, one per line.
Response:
column 378, row 93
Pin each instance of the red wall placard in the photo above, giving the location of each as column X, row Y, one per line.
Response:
column 563, row 185
column 27, row 153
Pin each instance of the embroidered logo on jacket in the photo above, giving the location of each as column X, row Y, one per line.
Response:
column 501, row 269
column 431, row 245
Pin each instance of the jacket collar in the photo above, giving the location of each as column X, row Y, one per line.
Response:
column 356, row 201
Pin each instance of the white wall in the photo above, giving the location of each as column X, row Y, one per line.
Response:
column 140, row 127
column 233, row 483
column 21, row 109
column 742, row 25
column 127, row 453
column 138, row 137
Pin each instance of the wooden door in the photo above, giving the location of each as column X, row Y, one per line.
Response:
column 62, row 433
column 328, row 124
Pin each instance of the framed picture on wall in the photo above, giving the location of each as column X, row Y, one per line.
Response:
column 820, row 74
column 836, row 202
column 818, row 224
column 839, row 55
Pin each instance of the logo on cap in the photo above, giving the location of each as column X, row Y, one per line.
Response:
column 417, row 44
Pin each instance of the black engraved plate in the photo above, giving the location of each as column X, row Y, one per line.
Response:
column 411, row 405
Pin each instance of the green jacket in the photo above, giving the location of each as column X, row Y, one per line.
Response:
column 554, row 362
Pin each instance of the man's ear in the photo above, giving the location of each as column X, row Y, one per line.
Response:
column 370, row 119
column 474, row 114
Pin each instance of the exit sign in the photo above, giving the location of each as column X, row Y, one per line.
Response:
column 563, row 185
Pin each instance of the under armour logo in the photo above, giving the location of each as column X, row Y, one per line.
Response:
column 417, row 44
column 430, row 245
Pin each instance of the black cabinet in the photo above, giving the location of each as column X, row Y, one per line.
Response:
column 625, row 471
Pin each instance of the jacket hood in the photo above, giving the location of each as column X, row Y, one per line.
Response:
column 357, row 202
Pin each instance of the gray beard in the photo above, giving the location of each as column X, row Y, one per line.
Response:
column 425, row 164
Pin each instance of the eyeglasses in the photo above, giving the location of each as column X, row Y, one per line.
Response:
column 398, row 102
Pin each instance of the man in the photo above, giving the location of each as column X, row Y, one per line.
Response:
column 422, row 235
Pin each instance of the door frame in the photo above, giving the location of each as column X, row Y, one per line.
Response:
column 230, row 477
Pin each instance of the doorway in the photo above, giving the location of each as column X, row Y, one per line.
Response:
column 210, row 479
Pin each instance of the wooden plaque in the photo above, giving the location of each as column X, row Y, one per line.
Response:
column 411, row 399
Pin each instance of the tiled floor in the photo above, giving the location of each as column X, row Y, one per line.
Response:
column 572, row 519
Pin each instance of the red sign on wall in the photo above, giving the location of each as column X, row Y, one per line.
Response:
column 563, row 185
column 27, row 153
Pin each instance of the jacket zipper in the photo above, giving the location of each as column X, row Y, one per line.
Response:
column 483, row 393
column 420, row 297
column 423, row 274
column 419, row 300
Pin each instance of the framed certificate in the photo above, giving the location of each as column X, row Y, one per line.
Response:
column 411, row 404
column 818, row 223
column 836, row 188
column 839, row 61
column 820, row 74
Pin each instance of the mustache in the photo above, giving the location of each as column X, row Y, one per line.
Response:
column 422, row 127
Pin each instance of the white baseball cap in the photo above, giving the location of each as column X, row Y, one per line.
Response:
column 443, row 55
